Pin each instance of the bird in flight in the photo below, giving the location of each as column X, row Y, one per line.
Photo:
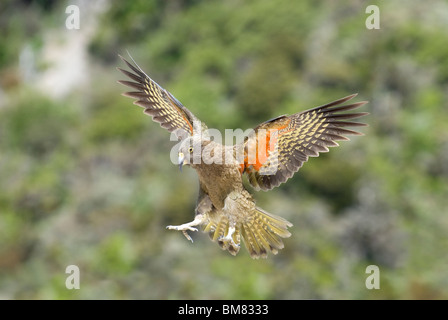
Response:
column 269, row 156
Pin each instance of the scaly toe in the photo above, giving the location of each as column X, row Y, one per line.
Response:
column 182, row 228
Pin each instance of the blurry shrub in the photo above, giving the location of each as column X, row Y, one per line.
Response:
column 36, row 125
column 113, row 117
column 116, row 254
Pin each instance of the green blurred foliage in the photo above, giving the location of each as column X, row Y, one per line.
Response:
column 85, row 178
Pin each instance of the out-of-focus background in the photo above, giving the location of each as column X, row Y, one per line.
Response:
column 86, row 178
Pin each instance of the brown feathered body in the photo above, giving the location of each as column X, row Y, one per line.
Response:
column 269, row 156
column 227, row 207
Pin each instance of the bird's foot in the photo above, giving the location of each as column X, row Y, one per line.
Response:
column 228, row 239
column 183, row 227
column 199, row 219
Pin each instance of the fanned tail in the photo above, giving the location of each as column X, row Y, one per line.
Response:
column 261, row 231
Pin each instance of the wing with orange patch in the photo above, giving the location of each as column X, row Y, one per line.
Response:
column 159, row 103
column 279, row 147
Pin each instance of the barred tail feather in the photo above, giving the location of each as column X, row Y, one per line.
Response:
column 262, row 232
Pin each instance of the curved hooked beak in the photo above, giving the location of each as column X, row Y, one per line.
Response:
column 181, row 160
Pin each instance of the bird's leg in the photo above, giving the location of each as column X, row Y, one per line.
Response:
column 198, row 220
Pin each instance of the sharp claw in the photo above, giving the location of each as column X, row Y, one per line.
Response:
column 184, row 229
column 229, row 240
column 187, row 236
column 199, row 219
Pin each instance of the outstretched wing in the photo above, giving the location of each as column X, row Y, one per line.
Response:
column 279, row 147
column 159, row 103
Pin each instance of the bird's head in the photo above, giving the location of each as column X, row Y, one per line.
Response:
column 190, row 152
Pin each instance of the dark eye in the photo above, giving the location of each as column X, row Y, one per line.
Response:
column 190, row 149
